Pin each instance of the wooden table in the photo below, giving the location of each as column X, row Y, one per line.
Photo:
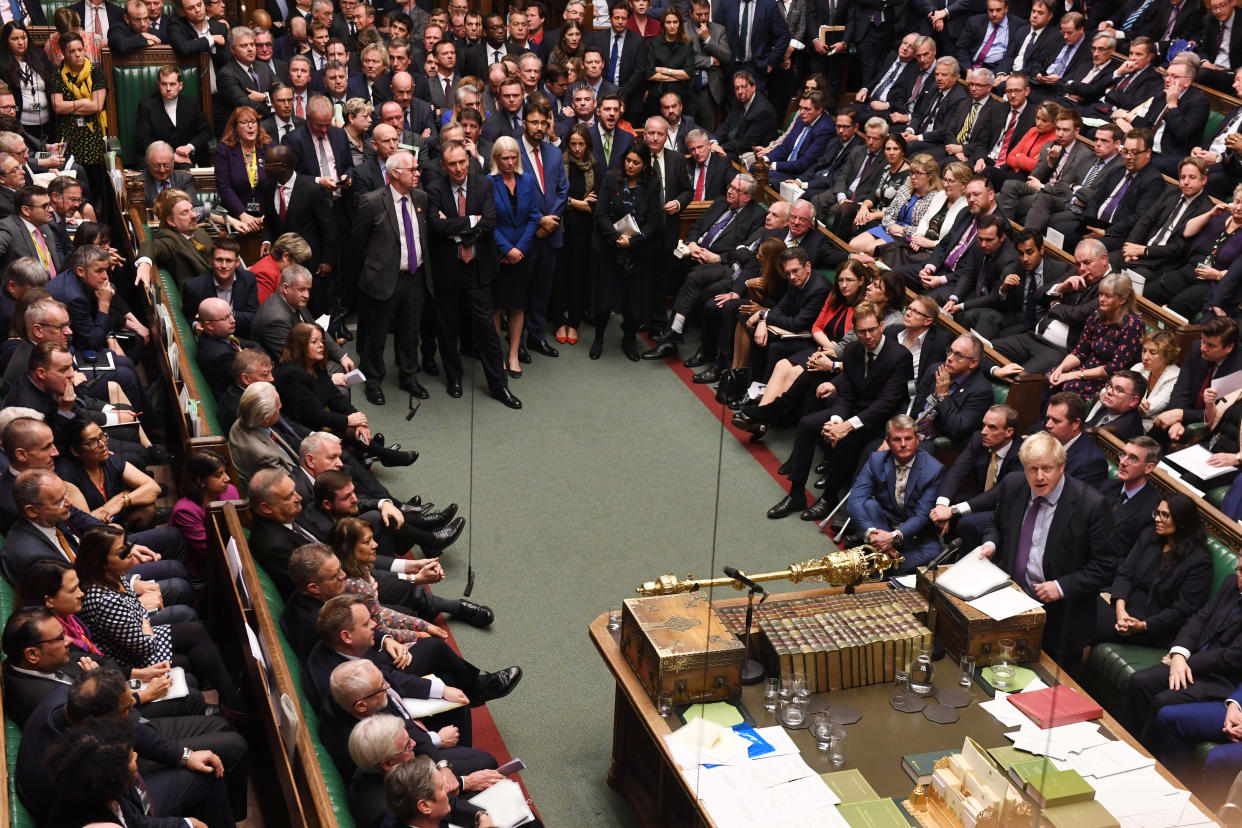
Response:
column 643, row 771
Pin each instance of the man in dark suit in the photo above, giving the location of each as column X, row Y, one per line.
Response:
column 1204, row 664
column 1082, row 87
column 990, row 40
column 1118, row 200
column 1039, row 39
column 157, row 21
column 299, row 202
column 1216, row 356
column 506, row 121
column 443, row 86
column 953, row 395
column 968, row 491
column 668, row 169
column 217, row 343
column 322, row 150
column 286, row 307
column 1156, row 243
column 463, row 216
column 1132, row 500
column 980, row 294
column 1050, row 533
column 394, row 274
column 39, row 659
column 1136, row 80
column 919, row 334
column 192, row 33
column 274, row 532
column 804, row 143
column 375, row 82
column 752, row 122
column 243, row 81
column 132, row 34
column 1220, row 57
column 282, row 121
column 265, row 53
column 623, row 50
column 225, row 279
column 709, row 90
column 1067, row 199
column 1062, row 163
column 168, row 116
column 1008, row 125
column 1177, row 118
column 1074, row 52
column 796, row 310
column 893, row 495
column 956, row 123
column 728, row 222
column 159, row 175
column 98, row 17
column 489, row 50
column 608, row 142
column 870, row 389
column 183, row 758
column 856, row 173
column 1117, row 407
column 1064, row 420
column 957, row 241
column 98, row 316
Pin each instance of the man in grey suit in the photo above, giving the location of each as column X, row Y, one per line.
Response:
column 391, row 226
column 446, row 71
column 286, row 306
column 159, row 176
column 711, row 55
column 1062, row 163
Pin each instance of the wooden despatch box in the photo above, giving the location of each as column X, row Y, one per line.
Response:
column 679, row 643
column 962, row 628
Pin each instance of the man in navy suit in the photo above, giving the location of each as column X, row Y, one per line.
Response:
column 507, row 121
column 243, row 81
column 1050, row 533
column 465, row 262
column 709, row 173
column 1177, row 119
column 623, row 50
column 189, row 135
column 323, row 154
column 894, row 494
column 1220, row 55
column 297, row 202
column 1064, row 420
column 990, row 40
column 543, row 160
column 758, row 35
column 968, row 491
column 752, row 122
column 803, row 144
column 1216, row 356
column 217, row 342
column 952, row 396
column 608, row 142
column 1180, row 727
column 375, row 82
column 1118, row 406
column 225, row 279
column 134, row 33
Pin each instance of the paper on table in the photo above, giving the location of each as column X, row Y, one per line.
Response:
column 1109, row 759
column 1228, row 383
column 1057, row 742
column 702, row 742
column 1194, row 459
column 1004, row 603
column 1003, row 711
column 786, row 804
column 907, row 581
column 1034, row 684
column 778, row 738
column 505, row 804
column 971, row 577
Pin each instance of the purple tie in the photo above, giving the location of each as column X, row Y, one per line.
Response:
column 1024, row 542
column 1111, row 207
column 956, row 253
column 987, row 47
column 411, row 255
column 255, row 77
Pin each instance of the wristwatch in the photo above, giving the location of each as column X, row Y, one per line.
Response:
column 186, row 753
column 444, row 763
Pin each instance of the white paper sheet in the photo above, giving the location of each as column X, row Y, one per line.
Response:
column 179, row 688
column 971, row 577
column 505, row 804
column 1193, row 459
column 1004, row 603
column 1109, row 759
column 1003, row 711
column 1228, row 383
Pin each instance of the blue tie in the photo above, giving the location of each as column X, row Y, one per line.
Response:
column 614, row 58
column 16, row 7
column 793, row 155
column 716, row 229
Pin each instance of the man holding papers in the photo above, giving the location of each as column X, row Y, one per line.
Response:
column 1217, row 356
column 1179, row 727
column 1050, row 533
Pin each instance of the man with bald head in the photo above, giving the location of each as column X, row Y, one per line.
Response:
column 372, row 175
column 294, row 203
column 417, row 115
column 218, row 343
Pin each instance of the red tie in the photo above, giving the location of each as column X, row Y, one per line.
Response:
column 1005, row 139
column 98, row 26
column 1207, row 381
column 297, row 107
column 467, row 251
column 699, row 180
column 539, row 168
column 280, row 192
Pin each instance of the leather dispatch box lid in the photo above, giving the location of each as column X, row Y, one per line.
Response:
column 963, row 628
column 678, row 642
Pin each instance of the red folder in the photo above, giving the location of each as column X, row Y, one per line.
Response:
column 1055, row 706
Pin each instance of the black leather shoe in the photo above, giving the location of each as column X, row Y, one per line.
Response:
column 415, row 387
column 430, row 521
column 375, row 395
column 760, row 431
column 822, row 468
column 630, row 350
column 821, row 481
column 708, row 376
column 505, row 396
column 476, row 615
column 430, row 369
column 661, row 351
column 818, row 510
column 697, row 359
column 597, row 348
column 390, row 457
column 497, row 685
column 523, row 355
column 442, row 539
column 786, row 507
column 539, row 346
column 454, row 388
column 416, row 502
column 670, row 335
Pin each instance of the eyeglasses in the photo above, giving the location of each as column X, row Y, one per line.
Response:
column 64, row 326
column 959, row 354
column 1117, row 389
column 383, row 688
column 1134, row 152
column 867, row 331
column 161, row 165
column 918, row 312
column 230, row 315
column 60, row 637
column 1159, row 515
column 248, row 122
column 96, row 442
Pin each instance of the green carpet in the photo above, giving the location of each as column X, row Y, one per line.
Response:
column 606, row 478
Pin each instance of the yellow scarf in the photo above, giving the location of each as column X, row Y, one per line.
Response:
column 81, row 87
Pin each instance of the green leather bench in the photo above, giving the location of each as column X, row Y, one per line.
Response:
column 19, row 817
column 189, row 347
column 130, row 84
column 50, row 7
column 338, row 788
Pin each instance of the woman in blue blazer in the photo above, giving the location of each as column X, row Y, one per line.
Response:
column 239, row 166
column 517, row 219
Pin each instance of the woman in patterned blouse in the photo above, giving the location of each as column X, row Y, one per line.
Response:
column 122, row 627
column 1111, row 340
column 354, row 543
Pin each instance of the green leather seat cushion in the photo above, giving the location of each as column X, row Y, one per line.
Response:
column 207, row 400
column 130, row 84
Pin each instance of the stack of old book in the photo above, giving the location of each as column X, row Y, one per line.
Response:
column 840, row 641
